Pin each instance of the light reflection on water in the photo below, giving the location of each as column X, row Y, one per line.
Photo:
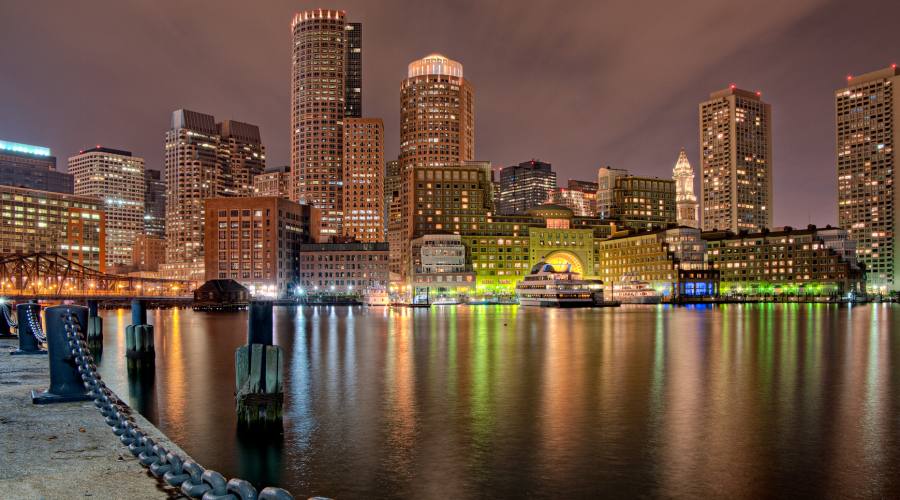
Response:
column 501, row 401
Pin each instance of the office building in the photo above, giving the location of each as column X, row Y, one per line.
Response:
column 148, row 252
column 116, row 178
column 243, row 154
column 32, row 167
column 606, row 187
column 439, row 267
column 353, row 75
column 71, row 226
column 580, row 196
column 392, row 181
column 274, row 181
column 363, row 180
column 686, row 213
column 633, row 201
column 154, row 204
column 868, row 135
column 255, row 241
column 343, row 270
column 525, row 186
column 318, row 107
column 735, row 161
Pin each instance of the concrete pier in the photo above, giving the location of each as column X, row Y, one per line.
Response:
column 65, row 450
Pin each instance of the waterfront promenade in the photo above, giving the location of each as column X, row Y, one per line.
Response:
column 64, row 450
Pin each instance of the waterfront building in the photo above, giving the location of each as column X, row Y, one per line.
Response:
column 350, row 270
column 686, row 213
column 243, row 155
column 353, row 77
column 198, row 167
column 785, row 262
column 116, row 178
column 255, row 241
column 637, row 202
column 735, row 161
column 580, row 196
column 154, row 203
column 363, row 180
column 606, row 187
column 34, row 221
column 439, row 266
column 32, row 167
column 525, row 186
column 319, row 78
column 148, row 252
column 868, row 135
column 274, row 181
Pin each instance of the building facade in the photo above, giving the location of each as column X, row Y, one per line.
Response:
column 525, row 186
column 154, row 204
column 148, row 252
column 580, row 196
column 343, row 269
column 439, row 267
column 32, row 167
column 867, row 138
column 43, row 221
column 606, row 188
column 255, row 241
column 243, row 155
column 117, row 179
column 353, row 75
column 686, row 210
column 363, row 180
column 643, row 203
column 392, row 183
column 318, row 107
column 274, row 181
column 784, row 263
column 735, row 161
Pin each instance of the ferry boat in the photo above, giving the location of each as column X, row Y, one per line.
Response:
column 633, row 291
column 547, row 287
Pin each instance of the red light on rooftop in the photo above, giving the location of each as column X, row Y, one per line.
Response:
column 849, row 77
column 758, row 94
column 894, row 66
column 732, row 86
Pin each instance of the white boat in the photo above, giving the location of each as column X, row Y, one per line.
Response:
column 547, row 287
column 447, row 301
column 634, row 291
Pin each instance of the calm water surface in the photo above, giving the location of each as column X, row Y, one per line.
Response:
column 501, row 401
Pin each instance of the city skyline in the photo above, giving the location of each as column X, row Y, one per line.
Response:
column 615, row 101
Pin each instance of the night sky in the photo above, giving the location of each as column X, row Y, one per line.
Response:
column 578, row 84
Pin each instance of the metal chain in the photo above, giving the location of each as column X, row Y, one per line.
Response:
column 8, row 316
column 194, row 480
column 36, row 329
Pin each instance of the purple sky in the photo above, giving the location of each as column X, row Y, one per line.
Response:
column 578, row 84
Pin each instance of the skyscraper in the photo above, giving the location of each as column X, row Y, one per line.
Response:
column 525, row 186
column 736, row 161
column 353, row 78
column 116, row 178
column 32, row 167
column 868, row 135
column 363, row 179
column 243, row 153
column 685, row 201
column 318, row 84
column 154, row 203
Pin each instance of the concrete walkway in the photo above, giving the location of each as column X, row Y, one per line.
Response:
column 64, row 450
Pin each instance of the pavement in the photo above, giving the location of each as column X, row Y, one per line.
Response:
column 64, row 450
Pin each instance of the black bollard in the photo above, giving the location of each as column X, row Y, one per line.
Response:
column 65, row 382
column 31, row 335
column 259, row 328
column 6, row 322
column 139, row 343
column 138, row 312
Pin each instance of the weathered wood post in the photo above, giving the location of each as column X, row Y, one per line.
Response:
column 94, row 326
column 139, row 335
column 258, row 368
column 31, row 335
column 65, row 382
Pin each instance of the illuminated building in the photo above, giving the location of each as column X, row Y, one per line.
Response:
column 868, row 130
column 32, row 167
column 606, row 187
column 199, row 162
column 363, row 180
column 318, row 106
column 785, row 262
column 685, row 201
column 353, row 77
column 154, row 204
column 735, row 161
column 116, row 178
column 274, row 181
column 439, row 265
column 392, row 181
column 343, row 269
column 580, row 196
column 525, row 186
column 255, row 241
column 148, row 252
column 637, row 202
column 44, row 221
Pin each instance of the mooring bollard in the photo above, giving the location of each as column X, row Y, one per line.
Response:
column 65, row 382
column 94, row 326
column 139, row 335
column 258, row 368
column 31, row 335
column 6, row 322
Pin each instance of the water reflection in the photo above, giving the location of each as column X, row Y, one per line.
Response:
column 725, row 401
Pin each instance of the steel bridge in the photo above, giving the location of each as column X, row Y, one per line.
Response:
column 51, row 276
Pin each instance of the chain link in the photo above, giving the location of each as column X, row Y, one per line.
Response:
column 36, row 330
column 170, row 467
column 7, row 315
